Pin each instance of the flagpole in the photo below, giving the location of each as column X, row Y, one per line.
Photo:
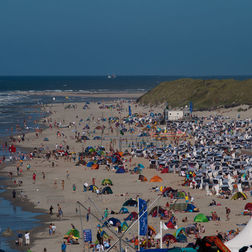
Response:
column 138, row 233
column 161, row 234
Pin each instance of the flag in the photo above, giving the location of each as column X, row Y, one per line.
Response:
column 191, row 107
column 143, row 221
column 130, row 111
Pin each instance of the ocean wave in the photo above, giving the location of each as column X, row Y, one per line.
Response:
column 6, row 99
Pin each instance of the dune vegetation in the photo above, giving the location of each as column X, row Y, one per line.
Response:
column 204, row 94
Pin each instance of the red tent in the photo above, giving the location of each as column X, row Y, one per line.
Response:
column 165, row 170
column 248, row 206
column 12, row 148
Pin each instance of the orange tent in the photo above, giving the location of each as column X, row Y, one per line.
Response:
column 156, row 179
column 142, row 178
column 95, row 166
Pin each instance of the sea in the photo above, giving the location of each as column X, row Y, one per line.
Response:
column 20, row 106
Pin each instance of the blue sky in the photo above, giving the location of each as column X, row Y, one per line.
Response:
column 126, row 37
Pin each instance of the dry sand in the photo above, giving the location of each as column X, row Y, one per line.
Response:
column 45, row 192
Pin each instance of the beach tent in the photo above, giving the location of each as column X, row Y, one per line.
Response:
column 46, row 139
column 130, row 202
column 97, row 138
column 165, row 170
column 95, row 167
column 180, row 195
column 124, row 210
column 107, row 190
column 244, row 238
column 112, row 221
column 124, row 226
column 89, row 164
column 156, row 179
column 181, row 238
column 84, row 138
column 157, row 209
column 239, row 195
column 248, row 206
column 180, row 231
column 74, row 232
column 132, row 216
column 106, row 182
column 142, row 178
column 191, row 208
column 120, row 170
column 200, row 218
column 212, row 243
column 170, row 224
column 169, row 237
column 12, row 149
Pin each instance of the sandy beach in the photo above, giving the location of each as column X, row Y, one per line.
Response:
column 55, row 177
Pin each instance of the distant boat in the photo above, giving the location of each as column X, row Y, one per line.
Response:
column 111, row 76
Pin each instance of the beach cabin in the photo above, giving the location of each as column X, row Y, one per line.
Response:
column 176, row 114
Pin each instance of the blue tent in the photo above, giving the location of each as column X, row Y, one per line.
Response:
column 112, row 220
column 123, row 210
column 190, row 208
column 89, row 164
column 120, row 170
column 97, row 138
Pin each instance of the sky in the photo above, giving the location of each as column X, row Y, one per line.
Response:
column 125, row 37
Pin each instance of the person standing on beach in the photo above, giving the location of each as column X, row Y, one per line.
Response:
column 51, row 209
column 228, row 211
column 20, row 239
column 62, row 184
column 14, row 194
column 88, row 213
column 63, row 247
column 27, row 238
column 34, row 177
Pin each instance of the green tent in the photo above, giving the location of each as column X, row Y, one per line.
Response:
column 124, row 226
column 107, row 182
column 200, row 218
column 73, row 232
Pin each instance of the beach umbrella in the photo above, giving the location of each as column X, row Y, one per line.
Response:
column 140, row 166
